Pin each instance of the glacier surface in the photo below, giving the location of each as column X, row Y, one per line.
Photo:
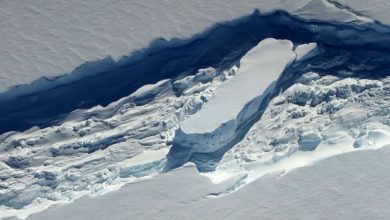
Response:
column 207, row 95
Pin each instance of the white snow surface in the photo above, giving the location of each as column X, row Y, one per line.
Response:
column 237, row 100
column 100, row 149
column 349, row 186
column 49, row 38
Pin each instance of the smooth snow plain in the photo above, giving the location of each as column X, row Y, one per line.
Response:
column 50, row 38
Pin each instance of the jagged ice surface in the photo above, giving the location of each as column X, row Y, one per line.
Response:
column 317, row 117
column 100, row 148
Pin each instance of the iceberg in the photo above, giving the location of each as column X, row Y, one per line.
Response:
column 237, row 100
